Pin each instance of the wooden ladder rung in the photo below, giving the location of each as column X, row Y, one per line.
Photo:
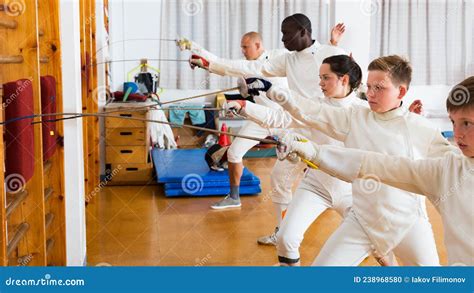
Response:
column 47, row 166
column 48, row 219
column 11, row 59
column 48, row 192
column 14, row 200
column 19, row 234
column 49, row 245
column 7, row 23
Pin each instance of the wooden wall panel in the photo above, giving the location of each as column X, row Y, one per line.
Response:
column 23, row 41
column 50, row 47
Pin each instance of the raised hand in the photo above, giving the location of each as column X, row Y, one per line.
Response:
column 416, row 107
column 336, row 33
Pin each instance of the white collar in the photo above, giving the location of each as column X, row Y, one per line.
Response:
column 393, row 114
column 263, row 56
column 311, row 49
column 342, row 102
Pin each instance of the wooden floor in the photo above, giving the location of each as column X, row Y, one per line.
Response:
column 139, row 226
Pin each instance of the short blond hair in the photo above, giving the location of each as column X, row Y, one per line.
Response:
column 398, row 68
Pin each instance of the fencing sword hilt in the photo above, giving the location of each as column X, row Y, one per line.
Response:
column 293, row 157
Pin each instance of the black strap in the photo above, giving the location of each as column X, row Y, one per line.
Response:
column 286, row 260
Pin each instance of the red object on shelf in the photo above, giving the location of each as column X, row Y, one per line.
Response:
column 224, row 139
column 48, row 106
column 19, row 135
column 132, row 97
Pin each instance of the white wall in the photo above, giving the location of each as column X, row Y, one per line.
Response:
column 356, row 39
column 134, row 34
column 434, row 103
column 73, row 147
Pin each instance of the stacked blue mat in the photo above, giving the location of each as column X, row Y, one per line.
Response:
column 184, row 172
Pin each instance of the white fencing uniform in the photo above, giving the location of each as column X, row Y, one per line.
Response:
column 241, row 146
column 448, row 183
column 301, row 70
column 386, row 221
column 316, row 193
column 199, row 50
column 283, row 173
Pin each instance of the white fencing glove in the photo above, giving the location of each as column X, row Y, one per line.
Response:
column 294, row 146
column 234, row 108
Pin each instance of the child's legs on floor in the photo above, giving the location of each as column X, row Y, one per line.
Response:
column 349, row 245
column 305, row 207
column 418, row 247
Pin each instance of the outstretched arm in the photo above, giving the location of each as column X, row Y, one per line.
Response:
column 332, row 121
column 274, row 67
column 418, row 176
column 195, row 48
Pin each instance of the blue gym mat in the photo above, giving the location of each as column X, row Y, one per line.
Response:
column 213, row 184
column 212, row 191
column 187, row 168
column 174, row 165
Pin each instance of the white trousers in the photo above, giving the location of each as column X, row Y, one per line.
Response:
column 305, row 208
column 349, row 245
column 240, row 146
column 284, row 172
